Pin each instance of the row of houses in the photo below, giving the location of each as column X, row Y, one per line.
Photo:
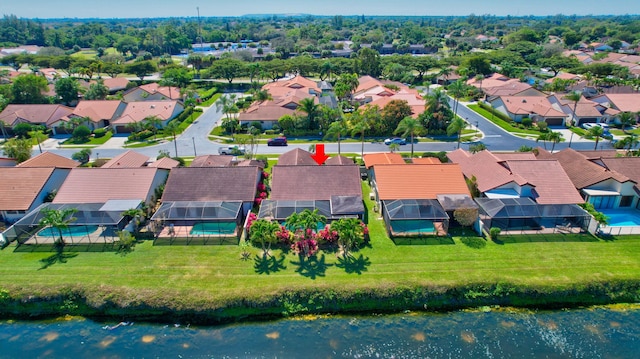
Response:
column 519, row 100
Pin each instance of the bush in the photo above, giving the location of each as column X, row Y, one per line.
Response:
column 494, row 232
column 442, row 156
column 22, row 129
column 184, row 115
column 99, row 132
column 527, row 122
column 81, row 133
column 542, row 126
column 256, row 124
column 139, row 136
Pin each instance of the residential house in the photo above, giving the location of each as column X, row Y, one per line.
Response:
column 49, row 159
column 127, row 159
column 100, row 113
column 212, row 161
column 629, row 103
column 412, row 197
column 166, row 163
column 339, row 161
column 137, row 112
column 335, row 191
column 23, row 189
column 296, row 157
column 500, row 85
column 537, row 108
column 152, row 92
column 586, row 111
column 206, row 204
column 49, row 116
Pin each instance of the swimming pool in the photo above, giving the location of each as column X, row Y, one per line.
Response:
column 213, row 228
column 412, row 226
column 622, row 217
column 71, row 231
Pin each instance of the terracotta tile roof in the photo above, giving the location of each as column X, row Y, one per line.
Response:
column 212, row 184
column 552, row 185
column 245, row 163
column 140, row 110
column 314, row 182
column 98, row 185
column 582, row 172
column 99, row 110
column 338, row 161
column 487, row 169
column 128, row 159
column 419, row 181
column 426, row 161
column 368, row 82
column 296, row 157
column 212, row 161
column 166, row 163
column 116, row 84
column 266, row 111
column 527, row 105
column 627, row 166
column 172, row 93
column 372, row 159
column 19, row 187
column 625, row 102
column 47, row 114
column 507, row 156
column 49, row 159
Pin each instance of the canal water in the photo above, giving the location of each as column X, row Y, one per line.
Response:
column 499, row 333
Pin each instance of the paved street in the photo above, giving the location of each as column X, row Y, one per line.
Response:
column 195, row 140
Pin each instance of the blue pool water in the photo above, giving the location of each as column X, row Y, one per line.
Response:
column 71, row 231
column 412, row 226
column 212, row 228
column 622, row 218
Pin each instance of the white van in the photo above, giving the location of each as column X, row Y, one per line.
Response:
column 231, row 150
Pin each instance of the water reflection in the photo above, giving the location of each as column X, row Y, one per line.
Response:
column 595, row 333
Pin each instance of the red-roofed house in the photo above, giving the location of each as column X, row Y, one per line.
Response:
column 135, row 112
column 537, row 108
column 128, row 159
column 100, row 112
column 50, row 116
column 152, row 92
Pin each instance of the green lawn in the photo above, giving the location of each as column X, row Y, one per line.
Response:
column 91, row 143
column 203, row 276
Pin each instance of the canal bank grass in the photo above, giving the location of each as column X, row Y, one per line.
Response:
column 192, row 279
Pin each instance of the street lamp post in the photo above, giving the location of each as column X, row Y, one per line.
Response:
column 193, row 139
column 570, row 139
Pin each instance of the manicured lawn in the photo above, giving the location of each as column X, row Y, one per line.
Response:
column 202, row 275
column 210, row 101
column 92, row 142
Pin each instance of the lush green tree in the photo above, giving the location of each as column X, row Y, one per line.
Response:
column 630, row 142
column 369, row 62
column 627, row 119
column 227, row 68
column 22, row 129
column 558, row 63
column 337, row 129
column 18, row 149
column 83, row 156
column 113, row 69
column 554, row 137
column 176, row 76
column 58, row 219
column 411, row 127
column 263, row 232
column 311, row 108
column 597, row 132
column 437, row 114
column 455, row 127
column 141, row 69
column 67, row 90
column 82, row 133
column 394, row 112
column 97, row 91
column 29, row 89
column 351, row 234
column 227, row 105
column 478, row 64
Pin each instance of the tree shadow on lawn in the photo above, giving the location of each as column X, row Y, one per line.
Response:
column 351, row 264
column 553, row 237
column 268, row 264
column 311, row 267
column 58, row 257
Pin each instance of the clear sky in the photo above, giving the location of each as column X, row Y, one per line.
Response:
column 187, row 8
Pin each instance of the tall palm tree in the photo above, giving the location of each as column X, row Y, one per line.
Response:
column 597, row 132
column 456, row 90
column 336, row 130
column 153, row 124
column 409, row 126
column 227, row 104
column 630, row 142
column 543, row 137
column 360, row 127
column 58, row 219
column 311, row 108
column 627, row 119
column 575, row 97
column 554, row 137
column 263, row 232
column 172, row 128
column 455, row 127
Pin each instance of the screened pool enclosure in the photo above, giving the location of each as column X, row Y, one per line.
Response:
column 92, row 223
column 415, row 217
column 525, row 215
column 337, row 207
column 193, row 222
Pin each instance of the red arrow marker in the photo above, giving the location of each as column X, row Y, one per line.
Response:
column 319, row 156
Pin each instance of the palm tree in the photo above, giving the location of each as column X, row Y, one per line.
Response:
column 350, row 233
column 409, row 126
column 630, row 142
column 152, row 123
column 336, row 130
column 227, row 104
column 172, row 128
column 360, row 127
column 310, row 107
column 263, row 231
column 136, row 215
column 627, row 119
column 58, row 219
column 456, row 90
column 575, row 97
column 554, row 137
column 306, row 219
column 445, row 72
column 456, row 126
column 597, row 132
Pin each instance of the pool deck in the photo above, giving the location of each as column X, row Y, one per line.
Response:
column 100, row 236
column 183, row 235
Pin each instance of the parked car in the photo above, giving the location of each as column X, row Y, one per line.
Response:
column 396, row 140
column 231, row 150
column 604, row 126
column 278, row 141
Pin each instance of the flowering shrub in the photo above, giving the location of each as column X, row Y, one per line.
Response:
column 306, row 247
column 265, row 174
column 261, row 187
column 326, row 235
column 365, row 229
column 263, row 195
column 283, row 235
column 250, row 219
column 257, row 201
